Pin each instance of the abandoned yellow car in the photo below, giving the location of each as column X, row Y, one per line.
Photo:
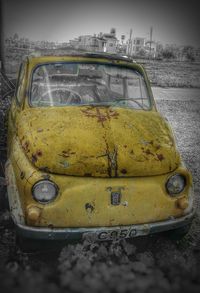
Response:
column 89, row 154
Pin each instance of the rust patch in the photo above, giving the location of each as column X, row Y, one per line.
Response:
column 148, row 152
column 100, row 115
column 22, row 175
column 160, row 157
column 87, row 175
column 89, row 207
column 125, row 146
column 123, row 171
column 39, row 153
column 111, row 159
column 66, row 154
column 158, row 147
column 44, row 169
column 34, row 158
column 25, row 146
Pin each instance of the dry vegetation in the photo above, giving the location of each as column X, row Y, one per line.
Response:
column 173, row 74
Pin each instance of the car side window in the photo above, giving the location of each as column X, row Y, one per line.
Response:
column 20, row 84
column 116, row 85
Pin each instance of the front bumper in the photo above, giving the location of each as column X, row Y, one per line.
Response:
column 102, row 233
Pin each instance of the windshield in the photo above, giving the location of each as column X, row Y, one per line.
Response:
column 63, row 84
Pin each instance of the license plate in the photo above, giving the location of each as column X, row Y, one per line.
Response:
column 114, row 234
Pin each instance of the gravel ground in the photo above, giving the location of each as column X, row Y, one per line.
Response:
column 145, row 264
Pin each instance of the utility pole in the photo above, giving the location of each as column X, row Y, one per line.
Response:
column 151, row 34
column 1, row 37
column 129, row 42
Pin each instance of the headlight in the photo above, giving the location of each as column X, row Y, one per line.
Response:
column 44, row 191
column 175, row 184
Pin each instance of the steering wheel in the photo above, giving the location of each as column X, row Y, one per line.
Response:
column 64, row 95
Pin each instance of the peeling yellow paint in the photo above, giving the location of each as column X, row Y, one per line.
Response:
column 146, row 197
column 129, row 143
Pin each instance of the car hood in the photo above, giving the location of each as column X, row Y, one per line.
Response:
column 97, row 141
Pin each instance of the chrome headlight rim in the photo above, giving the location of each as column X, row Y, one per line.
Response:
column 174, row 193
column 45, row 181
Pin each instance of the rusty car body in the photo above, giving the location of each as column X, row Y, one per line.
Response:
column 89, row 154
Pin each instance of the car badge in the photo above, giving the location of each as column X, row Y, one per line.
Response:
column 115, row 198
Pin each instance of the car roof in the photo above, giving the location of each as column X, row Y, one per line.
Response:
column 100, row 55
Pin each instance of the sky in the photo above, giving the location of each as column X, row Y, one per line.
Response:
column 173, row 21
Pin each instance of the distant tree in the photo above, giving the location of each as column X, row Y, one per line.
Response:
column 188, row 51
column 168, row 54
column 141, row 53
column 190, row 56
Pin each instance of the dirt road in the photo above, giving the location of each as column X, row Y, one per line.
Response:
column 148, row 264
